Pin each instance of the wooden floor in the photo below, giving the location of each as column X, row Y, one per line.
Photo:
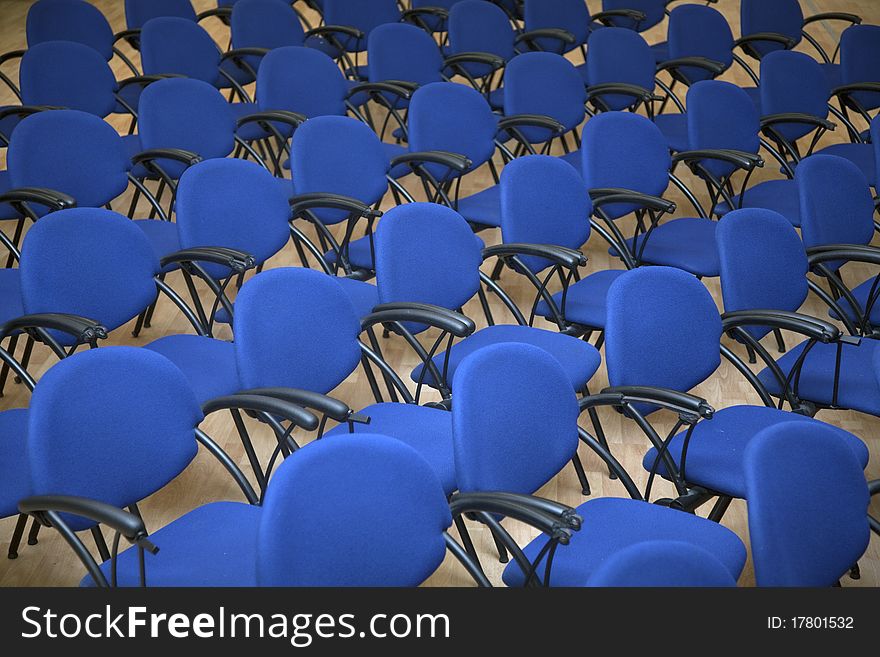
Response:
column 51, row 563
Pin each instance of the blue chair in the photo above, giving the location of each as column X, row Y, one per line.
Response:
column 859, row 89
column 804, row 536
column 653, row 12
column 863, row 155
column 264, row 25
column 696, row 31
column 138, row 12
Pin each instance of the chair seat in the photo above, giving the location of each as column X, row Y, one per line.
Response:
column 363, row 296
column 496, row 99
column 574, row 158
column 778, row 195
column 163, row 235
column 213, row 545
column 427, row 430
column 250, row 131
column 755, row 94
column 579, row 359
column 674, row 128
column 833, row 73
column 585, row 302
column 10, row 295
column 613, row 524
column 858, row 389
column 8, row 123
column 132, row 145
column 661, row 51
column 131, row 94
column 482, row 208
column 716, row 449
column 208, row 364
column 359, row 254
column 14, row 471
column 238, row 73
column 584, row 73
column 687, row 244
column 392, row 151
column 358, row 99
column 862, row 294
column 862, row 155
column 6, row 210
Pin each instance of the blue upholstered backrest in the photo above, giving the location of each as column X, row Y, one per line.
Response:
column 514, row 419
column 181, row 46
column 859, row 57
column 570, row 15
column 301, row 80
column 364, row 510
column 232, row 203
column 654, row 11
column 67, row 74
column 426, row 253
column 698, row 31
column 763, row 263
column 544, row 83
column 780, row 16
column 480, row 26
column 544, row 201
column 364, row 15
column 69, row 20
column 620, row 55
column 662, row 564
column 113, row 424
column 264, row 24
column 138, row 12
column 89, row 262
column 663, row 330
column 804, row 535
column 72, row 152
column 626, row 151
column 793, row 82
column 398, row 51
column 295, row 328
column 836, row 204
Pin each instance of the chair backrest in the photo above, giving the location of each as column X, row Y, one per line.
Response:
column 69, row 20
column 295, row 328
column 394, row 508
column 763, row 263
column 780, row 16
column 89, row 262
column 836, row 203
column 232, row 203
column 804, row 535
column 303, row 80
column 113, row 424
column 433, row 23
column 426, row 253
column 662, row 564
column 793, row 82
column 512, row 433
column 859, row 54
column 620, row 55
column 444, row 116
column 69, row 151
column 547, row 84
column 364, row 15
column 338, row 155
column 663, row 329
column 698, row 31
column 721, row 115
column 138, row 12
column 264, row 24
column 480, row 26
column 570, row 15
column 403, row 52
column 626, row 151
column 654, row 11
column 179, row 46
column 544, row 201
column 67, row 74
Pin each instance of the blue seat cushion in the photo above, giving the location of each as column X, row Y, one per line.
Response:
column 10, row 295
column 132, row 145
column 584, row 73
column 427, row 430
column 163, row 235
column 496, row 99
column 861, row 293
column 858, row 389
column 483, row 208
column 833, row 74
column 574, row 158
column 585, row 301
column 716, row 449
column 755, row 94
column 208, row 364
column 612, row 524
column 252, row 131
column 687, row 243
column 363, row 296
column 6, row 210
column 14, row 470
column 579, row 359
column 392, row 151
column 661, row 51
column 359, row 254
column 778, row 195
column 674, row 128
column 213, row 545
column 862, row 155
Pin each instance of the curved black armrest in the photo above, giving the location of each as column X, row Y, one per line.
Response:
column 609, row 196
column 331, row 30
column 486, row 58
column 238, row 53
column 404, row 91
column 178, row 154
column 127, row 524
column 302, row 202
column 49, row 197
column 812, row 327
column 874, row 487
column 714, row 67
column 530, row 120
column 682, row 403
column 775, row 37
column 563, row 36
column 453, row 161
column 847, row 89
column 796, row 117
column 237, row 261
column 741, row 159
column 25, row 110
column 324, row 404
column 12, row 54
column 220, row 12
column 833, row 16
column 562, row 255
column 85, row 330
column 621, row 88
column 259, row 404
column 848, row 252
column 436, row 12
column 606, row 16
column 420, row 313
column 557, row 525
column 293, row 119
column 144, row 80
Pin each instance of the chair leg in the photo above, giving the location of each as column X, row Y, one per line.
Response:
column 780, row 341
column 33, row 533
column 751, row 352
column 496, row 272
column 4, row 370
column 600, row 434
column 466, row 541
column 720, row 508
column 16, row 536
column 503, row 557
column 26, row 357
column 581, row 474
column 139, row 324
column 855, row 572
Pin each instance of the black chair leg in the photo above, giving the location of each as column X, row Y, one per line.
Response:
column 720, row 508
column 496, row 272
column 4, row 370
column 26, row 357
column 855, row 572
column 503, row 557
column 466, row 541
column 780, row 341
column 33, row 533
column 581, row 474
column 16, row 536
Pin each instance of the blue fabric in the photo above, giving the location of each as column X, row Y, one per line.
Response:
column 783, row 17
column 862, row 295
column 72, row 152
column 578, row 358
column 613, row 524
column 511, row 435
column 781, row 196
column 547, row 84
column 181, row 46
column 295, row 328
column 571, row 15
column 14, row 470
column 114, row 424
column 138, row 12
column 394, row 509
column 663, row 330
column 213, row 545
column 363, row 296
column 804, row 535
column 479, row 26
column 208, row 364
column 10, row 295
column 674, row 128
column 360, row 254
column 698, row 31
column 859, row 54
column 365, row 15
column 483, row 208
column 687, row 244
column 6, row 210
column 793, row 82
column 163, row 237
column 69, row 20
column 585, row 303
column 107, row 276
column 260, row 24
column 398, row 51
column 670, row 563
column 618, row 54
column 654, row 10
column 543, row 201
column 715, row 454
column 862, row 155
column 426, row 430
column 300, row 80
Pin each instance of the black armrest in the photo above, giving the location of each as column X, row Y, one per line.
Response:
column 811, row 327
column 25, row 110
column 303, row 202
column 847, row 89
column 333, row 408
column 848, row 252
column 833, row 16
column 453, row 161
column 178, row 154
column 12, row 54
column 532, row 121
column 775, row 37
column 563, row 36
column 486, row 58
column 238, row 53
column 436, row 12
column 49, row 197
column 795, row 117
column 237, row 261
column 741, row 159
column 144, row 80
column 714, row 67
column 621, row 88
column 874, row 487
column 259, row 404
column 420, row 313
column 562, row 255
column 220, row 12
column 293, row 119
column 605, row 16
column 610, row 196
column 331, row 30
column 85, row 330
column 127, row 524
column 558, row 525
column 682, row 403
column 401, row 90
